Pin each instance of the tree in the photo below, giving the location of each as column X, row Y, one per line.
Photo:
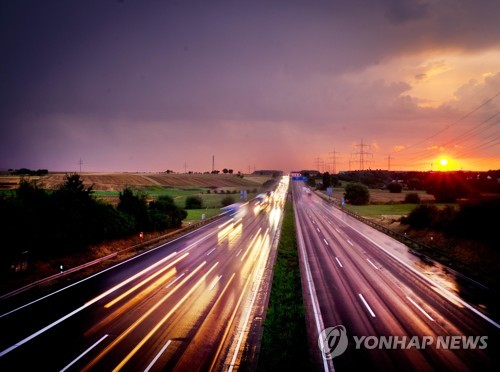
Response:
column 395, row 188
column 414, row 184
column 165, row 214
column 412, row 198
column 134, row 205
column 356, row 194
column 446, row 187
column 327, row 181
column 225, row 171
column 194, row 202
column 422, row 216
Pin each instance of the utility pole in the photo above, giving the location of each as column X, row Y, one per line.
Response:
column 334, row 161
column 317, row 161
column 362, row 154
column 80, row 162
column 389, row 162
column 213, row 163
column 185, row 167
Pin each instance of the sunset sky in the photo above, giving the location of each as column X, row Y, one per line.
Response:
column 158, row 84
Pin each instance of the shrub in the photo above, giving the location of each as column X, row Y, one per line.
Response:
column 356, row 194
column 422, row 216
column 395, row 188
column 194, row 202
column 412, row 198
column 228, row 200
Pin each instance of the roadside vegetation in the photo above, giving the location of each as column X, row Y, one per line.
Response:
column 70, row 218
column 45, row 225
column 284, row 341
column 452, row 213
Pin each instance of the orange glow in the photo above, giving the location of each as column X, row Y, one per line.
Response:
column 443, row 162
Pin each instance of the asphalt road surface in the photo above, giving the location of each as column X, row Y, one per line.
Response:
column 388, row 314
column 191, row 304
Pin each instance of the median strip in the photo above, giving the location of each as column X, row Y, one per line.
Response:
column 284, row 341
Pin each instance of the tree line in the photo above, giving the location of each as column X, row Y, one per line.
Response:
column 474, row 219
column 47, row 223
column 446, row 187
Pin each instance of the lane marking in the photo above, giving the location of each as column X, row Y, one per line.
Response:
column 444, row 292
column 366, row 304
column 348, row 241
column 149, row 278
column 337, row 230
column 251, row 243
column 241, row 250
column 176, row 279
column 215, row 282
column 257, row 274
column 159, row 324
column 211, row 251
column 157, row 356
column 325, row 241
column 318, row 230
column 338, row 262
column 320, row 326
column 372, row 263
column 85, row 352
column 144, row 316
column 117, row 265
column 83, row 307
column 229, row 323
column 418, row 307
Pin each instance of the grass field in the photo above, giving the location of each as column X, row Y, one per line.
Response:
column 373, row 210
column 196, row 214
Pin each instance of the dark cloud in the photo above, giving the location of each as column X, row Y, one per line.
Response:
column 88, row 74
column 406, row 10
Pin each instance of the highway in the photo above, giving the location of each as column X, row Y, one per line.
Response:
column 358, row 278
column 195, row 303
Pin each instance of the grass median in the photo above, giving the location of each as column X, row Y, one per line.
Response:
column 284, row 340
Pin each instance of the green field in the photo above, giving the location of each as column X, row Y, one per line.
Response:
column 378, row 210
column 374, row 210
column 212, row 202
column 196, row 214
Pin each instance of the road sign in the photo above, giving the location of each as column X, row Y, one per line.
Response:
column 329, row 191
column 296, row 178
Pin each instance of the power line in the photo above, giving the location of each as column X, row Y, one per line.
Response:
column 455, row 122
column 334, row 161
column 362, row 154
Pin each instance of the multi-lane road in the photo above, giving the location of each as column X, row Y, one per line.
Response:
column 190, row 304
column 197, row 303
column 364, row 282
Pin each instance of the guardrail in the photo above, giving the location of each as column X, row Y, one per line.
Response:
column 422, row 250
column 140, row 246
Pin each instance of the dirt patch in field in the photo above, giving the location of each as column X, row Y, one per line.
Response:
column 116, row 181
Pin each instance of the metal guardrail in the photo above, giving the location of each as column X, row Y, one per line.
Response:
column 422, row 250
column 145, row 244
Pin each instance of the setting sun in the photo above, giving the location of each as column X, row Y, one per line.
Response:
column 443, row 162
